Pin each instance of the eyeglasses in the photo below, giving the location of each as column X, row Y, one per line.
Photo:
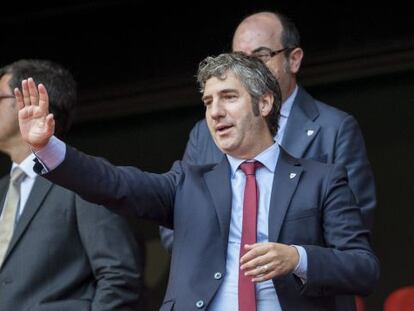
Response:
column 5, row 96
column 265, row 54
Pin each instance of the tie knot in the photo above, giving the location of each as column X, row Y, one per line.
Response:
column 249, row 168
column 17, row 175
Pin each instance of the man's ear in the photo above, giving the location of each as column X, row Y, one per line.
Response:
column 295, row 60
column 266, row 104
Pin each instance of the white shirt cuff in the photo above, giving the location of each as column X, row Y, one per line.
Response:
column 301, row 269
column 52, row 154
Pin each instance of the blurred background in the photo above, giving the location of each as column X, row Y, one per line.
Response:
column 135, row 64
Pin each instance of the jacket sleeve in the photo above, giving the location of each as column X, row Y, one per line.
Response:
column 351, row 152
column 125, row 190
column 345, row 264
column 113, row 255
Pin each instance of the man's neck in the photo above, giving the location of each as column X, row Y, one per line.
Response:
column 16, row 149
column 289, row 92
column 251, row 153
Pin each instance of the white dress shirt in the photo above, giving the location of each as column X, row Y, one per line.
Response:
column 266, row 296
column 284, row 115
column 27, row 183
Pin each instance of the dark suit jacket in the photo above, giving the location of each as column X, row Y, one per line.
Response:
column 68, row 254
column 315, row 131
column 315, row 209
column 335, row 137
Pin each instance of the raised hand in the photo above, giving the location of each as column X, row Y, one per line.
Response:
column 36, row 123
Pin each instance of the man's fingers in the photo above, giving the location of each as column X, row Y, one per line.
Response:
column 254, row 250
column 251, row 246
column 25, row 92
column 264, row 277
column 43, row 98
column 257, row 269
column 33, row 94
column 254, row 263
column 19, row 98
column 50, row 123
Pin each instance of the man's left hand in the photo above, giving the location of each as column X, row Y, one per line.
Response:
column 265, row 261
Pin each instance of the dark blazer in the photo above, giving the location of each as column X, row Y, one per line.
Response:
column 315, row 209
column 315, row 131
column 68, row 254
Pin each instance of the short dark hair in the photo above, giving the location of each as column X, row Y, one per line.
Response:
column 252, row 73
column 290, row 37
column 59, row 82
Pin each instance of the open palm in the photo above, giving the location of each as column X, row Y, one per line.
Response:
column 36, row 123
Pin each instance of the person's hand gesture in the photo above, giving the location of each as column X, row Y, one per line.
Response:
column 265, row 261
column 36, row 123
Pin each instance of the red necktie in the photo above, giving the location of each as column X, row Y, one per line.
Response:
column 247, row 290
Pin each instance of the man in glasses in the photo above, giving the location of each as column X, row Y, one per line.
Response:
column 57, row 251
column 308, row 128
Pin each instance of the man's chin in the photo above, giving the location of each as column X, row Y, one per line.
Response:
column 224, row 148
column 220, row 145
column 225, row 144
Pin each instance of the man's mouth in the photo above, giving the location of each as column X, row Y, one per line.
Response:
column 222, row 129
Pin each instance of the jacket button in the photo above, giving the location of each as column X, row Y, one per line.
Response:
column 200, row 304
column 218, row 275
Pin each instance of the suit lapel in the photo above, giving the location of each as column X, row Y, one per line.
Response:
column 219, row 186
column 287, row 174
column 300, row 128
column 40, row 188
column 4, row 186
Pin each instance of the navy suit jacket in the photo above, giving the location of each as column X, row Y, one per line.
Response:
column 68, row 254
column 315, row 131
column 315, row 209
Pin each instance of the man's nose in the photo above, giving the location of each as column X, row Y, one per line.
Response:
column 217, row 110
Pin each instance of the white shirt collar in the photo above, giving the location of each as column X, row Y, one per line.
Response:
column 267, row 157
column 26, row 166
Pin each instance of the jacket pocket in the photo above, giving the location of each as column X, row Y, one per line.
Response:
column 303, row 213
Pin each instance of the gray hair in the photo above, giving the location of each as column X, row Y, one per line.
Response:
column 252, row 73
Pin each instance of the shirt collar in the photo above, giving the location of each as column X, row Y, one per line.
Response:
column 288, row 103
column 26, row 166
column 268, row 158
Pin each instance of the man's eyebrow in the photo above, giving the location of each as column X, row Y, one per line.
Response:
column 221, row 92
column 203, row 98
column 228, row 91
column 261, row 48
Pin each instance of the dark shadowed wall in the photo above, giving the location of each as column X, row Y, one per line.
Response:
column 138, row 101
